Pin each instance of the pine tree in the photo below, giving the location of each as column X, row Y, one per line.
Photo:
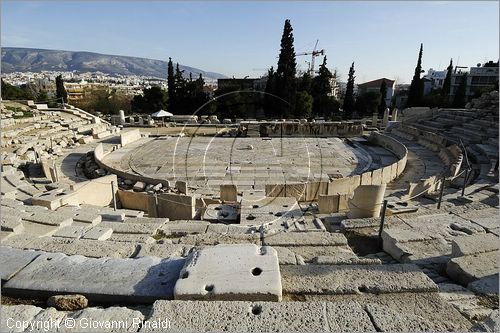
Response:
column 171, row 85
column 286, row 71
column 416, row 87
column 460, row 98
column 60, row 90
column 445, row 91
column 349, row 95
column 383, row 93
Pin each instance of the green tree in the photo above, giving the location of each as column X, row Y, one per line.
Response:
column 152, row 100
column 286, row 71
column 367, row 103
column 61, row 93
column 383, row 93
column 321, row 90
column 270, row 101
column 445, row 90
column 11, row 92
column 303, row 104
column 460, row 98
column 416, row 87
column 349, row 102
column 171, row 84
column 305, row 83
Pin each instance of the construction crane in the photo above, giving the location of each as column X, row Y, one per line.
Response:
column 314, row 53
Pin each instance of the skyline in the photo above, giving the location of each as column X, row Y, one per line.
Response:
column 382, row 38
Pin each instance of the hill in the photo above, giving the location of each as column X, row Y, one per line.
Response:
column 36, row 60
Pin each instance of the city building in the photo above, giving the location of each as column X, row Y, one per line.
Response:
column 433, row 80
column 374, row 86
column 479, row 78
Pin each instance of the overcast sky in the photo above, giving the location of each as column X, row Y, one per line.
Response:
column 242, row 38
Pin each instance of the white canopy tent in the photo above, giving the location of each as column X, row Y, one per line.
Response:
column 161, row 114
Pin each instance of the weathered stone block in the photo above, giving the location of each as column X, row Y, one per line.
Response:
column 230, row 272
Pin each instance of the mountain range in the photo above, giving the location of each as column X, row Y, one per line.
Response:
column 16, row 59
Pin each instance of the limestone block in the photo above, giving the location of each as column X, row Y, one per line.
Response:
column 11, row 223
column 343, row 202
column 305, row 239
column 486, row 286
column 285, row 256
column 328, row 203
column 230, row 272
column 181, row 228
column 344, row 185
column 98, row 233
column 386, row 174
column 176, row 207
column 414, row 312
column 314, row 189
column 119, row 280
column 377, row 177
column 85, row 139
column 269, row 210
column 50, row 219
column 340, row 253
column 128, row 319
column 352, row 279
column 86, row 247
column 228, row 193
column 472, row 267
column 127, row 238
column 71, row 232
column 163, row 250
column 13, row 260
column 474, row 244
column 366, row 178
column 238, row 316
column 22, row 313
column 131, row 228
column 296, row 190
column 127, row 137
column 214, row 239
column 275, row 190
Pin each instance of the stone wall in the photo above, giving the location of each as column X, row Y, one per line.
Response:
column 294, row 129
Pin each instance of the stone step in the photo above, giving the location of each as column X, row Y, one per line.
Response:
column 469, row 268
column 474, row 244
column 238, row 316
column 141, row 280
column 353, row 279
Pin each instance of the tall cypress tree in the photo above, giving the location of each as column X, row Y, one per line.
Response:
column 60, row 90
column 349, row 94
column 286, row 71
column 445, row 91
column 460, row 98
column 383, row 93
column 171, row 84
column 416, row 87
